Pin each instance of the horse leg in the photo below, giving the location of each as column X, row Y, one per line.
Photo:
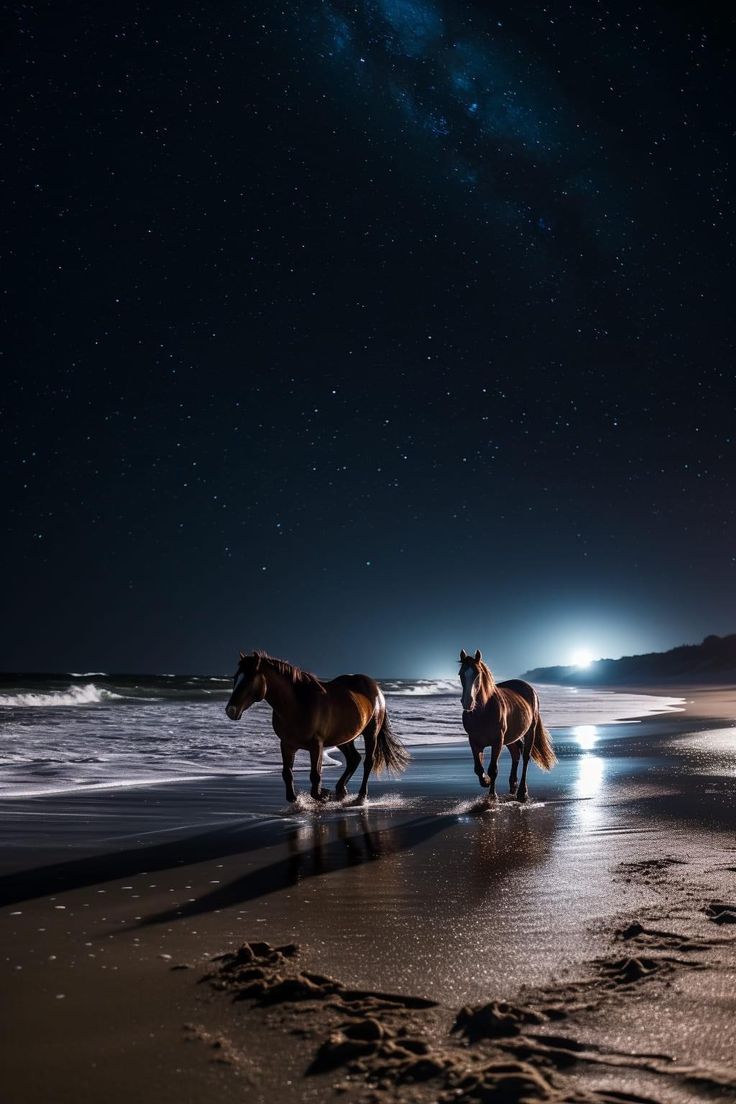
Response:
column 479, row 769
column 315, row 774
column 493, row 766
column 369, row 735
column 515, row 750
column 287, row 758
column 522, row 793
column 352, row 762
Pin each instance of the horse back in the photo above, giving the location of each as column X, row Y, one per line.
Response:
column 520, row 707
column 354, row 699
column 524, row 689
column 357, row 684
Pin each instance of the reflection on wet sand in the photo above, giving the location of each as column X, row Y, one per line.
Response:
column 311, row 854
column 505, row 843
column 313, row 850
column 588, row 786
column 589, row 781
column 586, row 736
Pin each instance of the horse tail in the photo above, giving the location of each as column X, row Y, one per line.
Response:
column 391, row 754
column 543, row 753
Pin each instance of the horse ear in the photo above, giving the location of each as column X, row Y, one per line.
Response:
column 257, row 658
column 478, row 656
column 463, row 655
column 242, row 655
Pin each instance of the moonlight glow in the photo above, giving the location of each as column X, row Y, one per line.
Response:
column 582, row 657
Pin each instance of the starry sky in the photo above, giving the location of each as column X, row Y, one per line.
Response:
column 365, row 331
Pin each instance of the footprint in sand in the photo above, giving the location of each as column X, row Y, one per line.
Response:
column 720, row 912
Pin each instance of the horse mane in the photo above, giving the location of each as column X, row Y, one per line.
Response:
column 487, row 685
column 301, row 679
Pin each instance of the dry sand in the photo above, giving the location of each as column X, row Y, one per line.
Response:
column 434, row 947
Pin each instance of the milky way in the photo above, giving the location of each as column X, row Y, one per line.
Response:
column 481, row 104
column 361, row 332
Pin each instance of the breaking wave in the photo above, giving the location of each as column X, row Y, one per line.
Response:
column 74, row 695
column 420, row 688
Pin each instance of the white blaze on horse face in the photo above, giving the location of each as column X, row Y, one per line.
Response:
column 468, row 677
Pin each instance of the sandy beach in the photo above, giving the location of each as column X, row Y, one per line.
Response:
column 427, row 946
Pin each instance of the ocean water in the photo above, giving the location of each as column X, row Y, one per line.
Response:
column 92, row 729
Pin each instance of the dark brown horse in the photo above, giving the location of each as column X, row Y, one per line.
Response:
column 501, row 713
column 311, row 714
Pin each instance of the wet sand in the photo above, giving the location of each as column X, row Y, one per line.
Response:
column 602, row 912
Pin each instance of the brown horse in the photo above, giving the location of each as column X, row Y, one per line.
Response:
column 311, row 714
column 502, row 713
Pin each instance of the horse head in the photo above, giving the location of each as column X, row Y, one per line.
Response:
column 470, row 671
column 249, row 686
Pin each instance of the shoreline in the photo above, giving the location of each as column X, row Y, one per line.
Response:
column 701, row 702
column 214, row 775
column 114, row 904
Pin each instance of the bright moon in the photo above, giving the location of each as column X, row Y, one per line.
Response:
column 583, row 657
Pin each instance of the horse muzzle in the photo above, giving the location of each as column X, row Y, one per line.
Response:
column 234, row 712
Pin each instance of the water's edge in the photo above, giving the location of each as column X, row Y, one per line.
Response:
column 97, row 731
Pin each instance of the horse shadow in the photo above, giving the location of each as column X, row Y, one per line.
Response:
column 331, row 846
column 314, row 850
column 60, row 877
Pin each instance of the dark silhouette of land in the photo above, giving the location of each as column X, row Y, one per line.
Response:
column 713, row 662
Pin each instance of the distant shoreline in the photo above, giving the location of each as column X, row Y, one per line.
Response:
column 712, row 663
column 700, row 701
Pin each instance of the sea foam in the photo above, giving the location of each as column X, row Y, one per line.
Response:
column 74, row 695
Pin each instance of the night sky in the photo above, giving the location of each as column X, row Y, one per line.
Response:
column 362, row 332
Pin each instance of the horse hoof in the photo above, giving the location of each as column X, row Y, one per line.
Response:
column 522, row 796
column 323, row 796
column 484, row 781
column 340, row 795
